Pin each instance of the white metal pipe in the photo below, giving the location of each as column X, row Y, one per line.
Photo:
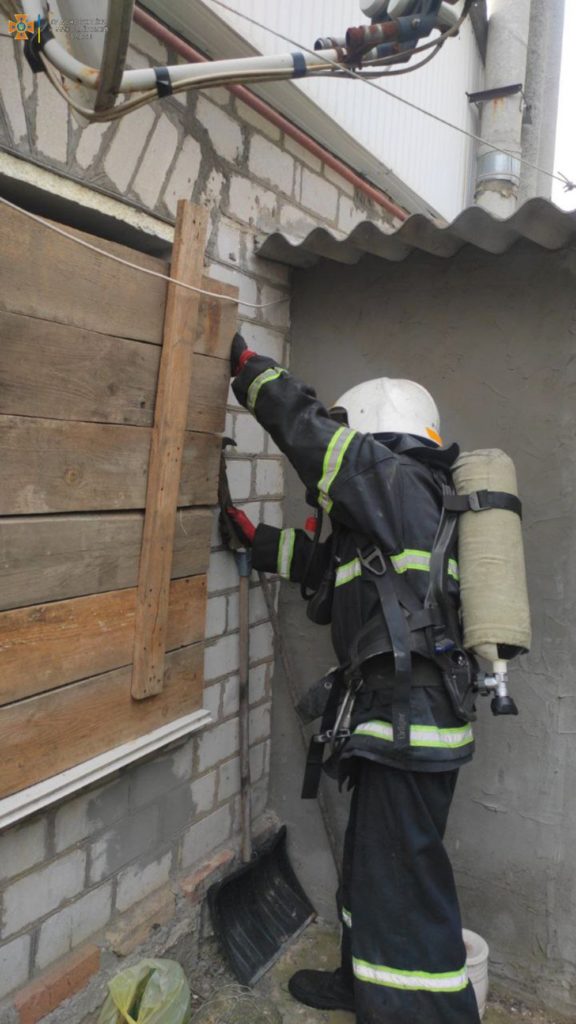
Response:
column 280, row 64
column 498, row 175
column 143, row 79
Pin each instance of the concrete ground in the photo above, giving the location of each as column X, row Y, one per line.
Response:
column 317, row 947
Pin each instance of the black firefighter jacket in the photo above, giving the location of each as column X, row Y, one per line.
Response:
column 388, row 490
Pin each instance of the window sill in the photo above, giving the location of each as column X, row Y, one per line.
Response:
column 36, row 798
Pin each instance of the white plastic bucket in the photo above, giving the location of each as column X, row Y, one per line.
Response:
column 477, row 963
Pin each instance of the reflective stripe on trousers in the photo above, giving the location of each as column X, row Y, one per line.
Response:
column 402, row 943
column 431, row 736
column 410, row 981
column 450, row 981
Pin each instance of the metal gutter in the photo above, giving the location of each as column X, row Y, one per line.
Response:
column 214, row 32
column 538, row 221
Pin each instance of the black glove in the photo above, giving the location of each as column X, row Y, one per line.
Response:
column 239, row 346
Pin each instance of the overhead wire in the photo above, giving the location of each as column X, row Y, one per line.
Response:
column 566, row 182
column 136, row 266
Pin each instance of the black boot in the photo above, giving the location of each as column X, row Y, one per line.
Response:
column 324, row 990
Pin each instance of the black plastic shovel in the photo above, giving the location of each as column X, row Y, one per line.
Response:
column 261, row 906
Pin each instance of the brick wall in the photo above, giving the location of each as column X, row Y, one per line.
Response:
column 118, row 870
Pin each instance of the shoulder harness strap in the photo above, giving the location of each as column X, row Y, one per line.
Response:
column 377, row 568
column 482, row 501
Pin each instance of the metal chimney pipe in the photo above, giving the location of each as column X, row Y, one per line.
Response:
column 498, row 175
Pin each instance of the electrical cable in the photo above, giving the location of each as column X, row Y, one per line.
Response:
column 439, row 41
column 566, row 182
column 369, row 75
column 86, row 112
column 207, row 80
column 135, row 266
column 344, row 72
column 435, row 44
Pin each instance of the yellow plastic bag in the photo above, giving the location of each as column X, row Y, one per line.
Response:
column 151, row 992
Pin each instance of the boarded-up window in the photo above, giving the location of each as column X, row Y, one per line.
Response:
column 80, row 346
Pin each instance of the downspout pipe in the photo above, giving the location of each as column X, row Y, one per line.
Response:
column 170, row 39
column 542, row 95
column 498, row 174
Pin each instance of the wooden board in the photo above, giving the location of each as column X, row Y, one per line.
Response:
column 47, row 646
column 209, row 394
column 168, row 439
column 45, row 735
column 49, row 466
column 51, row 278
column 217, row 320
column 54, row 371
column 51, row 558
column 76, row 403
column 57, row 372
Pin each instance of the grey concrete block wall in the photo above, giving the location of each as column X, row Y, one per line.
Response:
column 68, row 874
column 494, row 340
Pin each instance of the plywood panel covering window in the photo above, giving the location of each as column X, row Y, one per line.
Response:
column 81, row 341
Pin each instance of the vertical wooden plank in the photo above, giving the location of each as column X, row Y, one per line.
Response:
column 180, row 329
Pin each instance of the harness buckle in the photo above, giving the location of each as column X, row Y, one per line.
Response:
column 373, row 561
column 478, row 501
column 444, row 645
column 332, row 736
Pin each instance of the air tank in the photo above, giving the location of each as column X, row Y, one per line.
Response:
column 494, row 594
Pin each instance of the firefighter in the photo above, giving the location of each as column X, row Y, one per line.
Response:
column 380, row 479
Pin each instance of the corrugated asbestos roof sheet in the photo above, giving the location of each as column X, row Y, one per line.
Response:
column 538, row 220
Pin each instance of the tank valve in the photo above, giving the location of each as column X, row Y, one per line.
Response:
column 497, row 684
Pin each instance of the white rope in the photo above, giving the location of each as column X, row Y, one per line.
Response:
column 135, row 266
column 566, row 182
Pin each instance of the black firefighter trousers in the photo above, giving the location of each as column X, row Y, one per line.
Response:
column 402, row 935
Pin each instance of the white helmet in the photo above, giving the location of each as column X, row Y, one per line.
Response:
column 387, row 406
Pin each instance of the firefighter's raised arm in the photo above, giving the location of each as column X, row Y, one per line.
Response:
column 334, row 462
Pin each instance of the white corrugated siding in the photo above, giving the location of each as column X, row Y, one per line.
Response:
column 435, row 161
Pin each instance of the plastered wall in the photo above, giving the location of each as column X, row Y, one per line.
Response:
column 494, row 339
